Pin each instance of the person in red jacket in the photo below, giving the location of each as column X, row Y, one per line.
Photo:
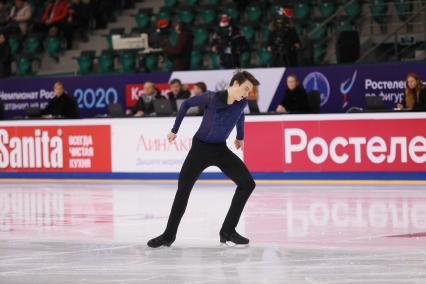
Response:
column 55, row 17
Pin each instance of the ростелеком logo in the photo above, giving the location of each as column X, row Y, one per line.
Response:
column 317, row 81
column 346, row 87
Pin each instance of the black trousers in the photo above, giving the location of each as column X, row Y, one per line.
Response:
column 201, row 156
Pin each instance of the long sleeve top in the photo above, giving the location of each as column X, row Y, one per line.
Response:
column 219, row 118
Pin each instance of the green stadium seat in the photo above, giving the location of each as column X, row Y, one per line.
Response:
column 264, row 33
column 253, row 13
column 207, row 16
column 378, row 9
column 164, row 15
column 151, row 63
column 201, row 37
column 321, row 33
column 245, row 59
column 353, row 10
column 168, row 64
column 24, row 65
column 265, row 57
column 319, row 53
column 127, row 62
column 403, row 9
column 106, row 61
column 186, row 16
column 173, row 38
column 196, row 60
column 344, row 24
column 214, row 61
column 143, row 20
column 32, row 45
column 232, row 12
column 326, row 9
column 15, row 44
column 248, row 32
column 299, row 29
column 85, row 62
column 170, row 3
column 53, row 46
column 301, row 11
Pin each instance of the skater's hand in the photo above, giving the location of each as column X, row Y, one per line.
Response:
column 280, row 108
column 171, row 137
column 239, row 144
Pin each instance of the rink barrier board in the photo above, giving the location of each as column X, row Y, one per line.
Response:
column 116, row 143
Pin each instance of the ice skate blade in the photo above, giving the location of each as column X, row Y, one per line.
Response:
column 232, row 244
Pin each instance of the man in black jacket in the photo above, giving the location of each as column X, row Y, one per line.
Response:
column 177, row 93
column 295, row 98
column 62, row 105
column 283, row 42
column 145, row 104
column 229, row 43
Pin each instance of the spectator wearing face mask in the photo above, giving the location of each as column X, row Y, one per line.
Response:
column 228, row 43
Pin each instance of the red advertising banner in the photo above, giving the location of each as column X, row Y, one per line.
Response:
column 336, row 145
column 55, row 148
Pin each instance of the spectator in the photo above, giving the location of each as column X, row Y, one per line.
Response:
column 180, row 54
column 177, row 92
column 283, row 42
column 78, row 18
column 62, row 105
column 55, row 19
column 295, row 97
column 19, row 17
column 5, row 58
column 198, row 88
column 145, row 104
column 4, row 13
column 160, row 37
column 228, row 43
column 415, row 94
column 102, row 12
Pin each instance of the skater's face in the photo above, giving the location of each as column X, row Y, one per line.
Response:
column 411, row 82
column 291, row 83
column 242, row 91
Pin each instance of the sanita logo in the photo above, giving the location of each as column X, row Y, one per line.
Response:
column 346, row 87
column 317, row 81
column 30, row 152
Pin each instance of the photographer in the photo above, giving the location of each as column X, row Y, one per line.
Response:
column 283, row 42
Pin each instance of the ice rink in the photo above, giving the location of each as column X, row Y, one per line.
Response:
column 300, row 232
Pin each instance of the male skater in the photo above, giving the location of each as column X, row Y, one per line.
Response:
column 222, row 111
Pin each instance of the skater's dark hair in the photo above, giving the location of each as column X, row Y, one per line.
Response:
column 242, row 76
column 202, row 86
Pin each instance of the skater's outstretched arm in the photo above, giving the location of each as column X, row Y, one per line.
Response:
column 200, row 100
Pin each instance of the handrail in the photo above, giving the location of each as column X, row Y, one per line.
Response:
column 392, row 34
column 330, row 18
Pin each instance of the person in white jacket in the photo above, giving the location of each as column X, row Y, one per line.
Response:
column 20, row 15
